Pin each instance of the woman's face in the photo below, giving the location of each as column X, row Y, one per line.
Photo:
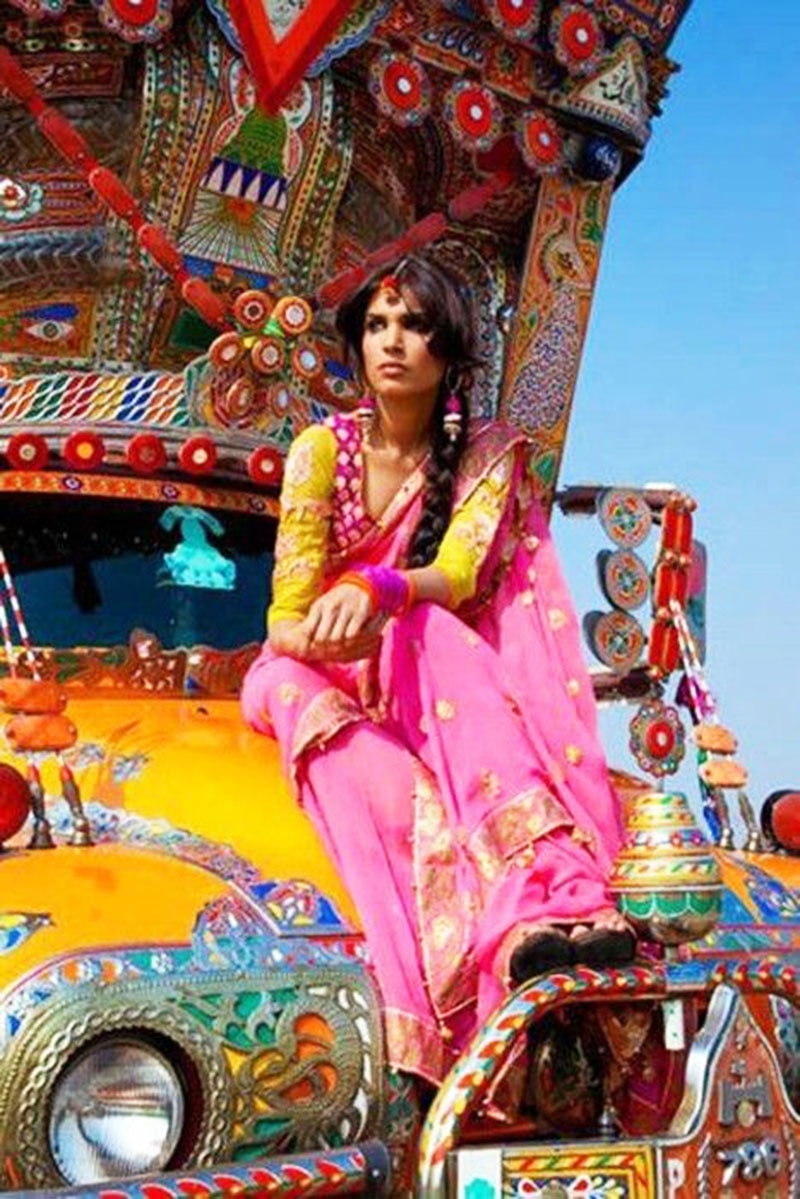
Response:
column 398, row 363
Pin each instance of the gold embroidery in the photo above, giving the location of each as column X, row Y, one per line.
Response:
column 415, row 1046
column 507, row 835
column 490, row 784
column 573, row 687
column 445, row 709
column 556, row 619
column 573, row 754
column 584, row 838
column 289, row 693
column 299, row 467
column 328, row 712
column 443, row 910
column 527, row 598
column 531, row 542
column 531, row 574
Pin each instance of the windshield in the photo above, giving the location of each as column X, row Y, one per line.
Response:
column 89, row 571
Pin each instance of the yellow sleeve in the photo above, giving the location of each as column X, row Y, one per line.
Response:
column 472, row 530
column 301, row 546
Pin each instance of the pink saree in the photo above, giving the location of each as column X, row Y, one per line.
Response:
column 456, row 780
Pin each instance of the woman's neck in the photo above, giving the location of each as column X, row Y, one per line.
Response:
column 403, row 429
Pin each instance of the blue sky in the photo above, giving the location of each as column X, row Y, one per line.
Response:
column 691, row 371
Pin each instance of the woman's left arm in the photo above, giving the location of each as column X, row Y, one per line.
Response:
column 452, row 577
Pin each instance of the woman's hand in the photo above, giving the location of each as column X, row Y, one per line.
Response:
column 340, row 625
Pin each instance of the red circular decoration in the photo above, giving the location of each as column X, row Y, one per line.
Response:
column 15, row 801
column 657, row 739
column 306, row 362
column 265, row 465
column 146, row 453
column 238, row 405
column 660, row 739
column 540, row 142
column 473, row 114
column 268, row 355
column 252, row 309
column 577, row 38
column 135, row 12
column 294, row 315
column 226, row 350
column 27, row 451
column 84, row 450
column 198, row 455
column 517, row 19
column 400, row 87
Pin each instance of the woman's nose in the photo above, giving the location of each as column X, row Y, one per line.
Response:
column 393, row 339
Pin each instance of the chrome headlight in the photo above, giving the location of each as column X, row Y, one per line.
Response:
column 117, row 1109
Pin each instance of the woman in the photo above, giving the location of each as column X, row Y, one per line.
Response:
column 424, row 680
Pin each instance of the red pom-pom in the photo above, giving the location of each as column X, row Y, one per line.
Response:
column 146, row 453
column 15, row 801
column 27, row 451
column 84, row 450
column 265, row 465
column 198, row 455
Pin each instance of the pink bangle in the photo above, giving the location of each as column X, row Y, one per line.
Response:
column 391, row 592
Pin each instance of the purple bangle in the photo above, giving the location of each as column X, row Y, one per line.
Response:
column 392, row 587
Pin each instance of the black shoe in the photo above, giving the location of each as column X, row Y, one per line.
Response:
column 544, row 950
column 605, row 947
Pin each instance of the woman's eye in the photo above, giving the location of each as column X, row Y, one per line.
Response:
column 417, row 323
column 373, row 324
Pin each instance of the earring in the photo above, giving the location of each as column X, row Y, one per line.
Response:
column 453, row 418
column 364, row 415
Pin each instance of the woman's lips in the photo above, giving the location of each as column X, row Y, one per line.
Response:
column 391, row 368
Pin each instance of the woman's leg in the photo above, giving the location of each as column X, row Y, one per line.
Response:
column 360, row 792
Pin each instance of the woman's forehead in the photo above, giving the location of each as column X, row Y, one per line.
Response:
column 388, row 300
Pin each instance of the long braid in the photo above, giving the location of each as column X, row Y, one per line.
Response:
column 440, row 481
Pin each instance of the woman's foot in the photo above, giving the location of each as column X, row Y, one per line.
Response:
column 609, row 941
column 542, row 950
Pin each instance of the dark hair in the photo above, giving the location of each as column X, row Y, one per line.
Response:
column 448, row 311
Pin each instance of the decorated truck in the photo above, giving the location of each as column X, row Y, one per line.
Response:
column 187, row 1007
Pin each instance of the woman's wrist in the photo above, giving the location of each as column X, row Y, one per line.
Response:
column 391, row 592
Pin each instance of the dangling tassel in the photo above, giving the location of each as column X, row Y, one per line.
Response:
column 365, row 415
column 453, row 418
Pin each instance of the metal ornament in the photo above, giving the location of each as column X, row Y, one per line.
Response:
column 623, row 578
column 615, row 638
column 400, row 88
column 625, row 516
column 473, row 115
column 657, row 738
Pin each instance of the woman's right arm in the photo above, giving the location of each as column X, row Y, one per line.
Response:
column 301, row 547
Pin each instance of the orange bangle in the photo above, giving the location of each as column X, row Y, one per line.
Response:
column 366, row 585
column 413, row 594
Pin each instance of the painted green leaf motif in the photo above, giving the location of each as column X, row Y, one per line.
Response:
column 236, row 1036
column 264, row 1034
column 546, row 467
column 247, row 1003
